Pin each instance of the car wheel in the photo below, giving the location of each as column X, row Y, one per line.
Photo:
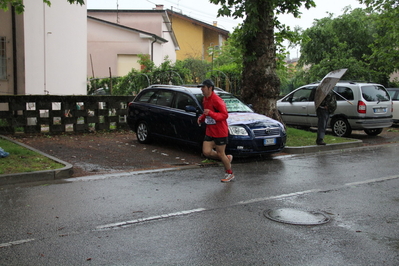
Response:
column 373, row 131
column 340, row 127
column 143, row 132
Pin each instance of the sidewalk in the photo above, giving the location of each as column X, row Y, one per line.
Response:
column 67, row 170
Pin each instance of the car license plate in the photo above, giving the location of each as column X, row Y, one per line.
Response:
column 267, row 142
column 380, row 110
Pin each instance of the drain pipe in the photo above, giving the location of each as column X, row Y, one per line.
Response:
column 14, row 50
column 152, row 49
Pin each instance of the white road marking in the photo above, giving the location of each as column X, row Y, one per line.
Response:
column 279, row 196
column 152, row 218
column 14, row 243
column 372, row 180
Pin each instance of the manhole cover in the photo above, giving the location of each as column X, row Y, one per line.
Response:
column 297, row 216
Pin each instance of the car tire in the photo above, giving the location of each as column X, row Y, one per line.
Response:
column 143, row 133
column 340, row 127
column 373, row 131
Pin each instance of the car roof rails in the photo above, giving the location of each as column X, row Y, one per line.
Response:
column 355, row 81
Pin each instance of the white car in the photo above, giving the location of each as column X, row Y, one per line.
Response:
column 394, row 92
column 360, row 106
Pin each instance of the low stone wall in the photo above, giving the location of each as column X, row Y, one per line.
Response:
column 58, row 114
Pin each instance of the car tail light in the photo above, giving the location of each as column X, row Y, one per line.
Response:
column 391, row 107
column 361, row 107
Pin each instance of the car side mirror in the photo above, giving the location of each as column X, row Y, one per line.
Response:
column 190, row 108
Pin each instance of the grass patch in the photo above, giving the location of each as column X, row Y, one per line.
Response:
column 23, row 160
column 298, row 137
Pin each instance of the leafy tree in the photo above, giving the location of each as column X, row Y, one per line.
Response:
column 104, row 83
column 19, row 6
column 166, row 74
column 187, row 71
column 385, row 47
column 344, row 42
column 227, row 64
column 227, row 77
column 260, row 83
column 193, row 70
column 290, row 78
column 381, row 4
column 146, row 64
column 230, row 52
column 131, row 84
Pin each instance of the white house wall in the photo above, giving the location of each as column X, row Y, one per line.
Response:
column 55, row 48
column 7, row 84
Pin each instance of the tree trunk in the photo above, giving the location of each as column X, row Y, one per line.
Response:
column 261, row 85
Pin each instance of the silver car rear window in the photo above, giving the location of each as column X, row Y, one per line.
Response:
column 373, row 93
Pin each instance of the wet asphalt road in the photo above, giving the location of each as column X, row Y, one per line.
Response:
column 188, row 217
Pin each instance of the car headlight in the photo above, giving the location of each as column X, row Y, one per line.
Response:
column 238, row 131
column 283, row 129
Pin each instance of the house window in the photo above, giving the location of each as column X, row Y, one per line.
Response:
column 3, row 61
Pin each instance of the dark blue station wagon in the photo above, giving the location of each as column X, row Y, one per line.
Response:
column 169, row 111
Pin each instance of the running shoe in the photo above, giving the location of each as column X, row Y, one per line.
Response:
column 227, row 178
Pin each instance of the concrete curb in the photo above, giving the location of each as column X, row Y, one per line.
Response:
column 61, row 173
column 67, row 171
column 320, row 148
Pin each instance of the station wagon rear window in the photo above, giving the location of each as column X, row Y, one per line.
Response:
column 145, row 97
column 160, row 97
column 374, row 93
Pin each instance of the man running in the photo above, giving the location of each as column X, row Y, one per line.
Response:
column 216, row 135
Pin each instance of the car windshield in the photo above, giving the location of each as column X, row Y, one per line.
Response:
column 233, row 104
column 373, row 93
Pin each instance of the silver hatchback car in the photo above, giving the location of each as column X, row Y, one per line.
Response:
column 360, row 106
column 394, row 92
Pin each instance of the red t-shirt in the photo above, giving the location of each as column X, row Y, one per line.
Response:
column 218, row 114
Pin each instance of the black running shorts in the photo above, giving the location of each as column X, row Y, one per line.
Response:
column 218, row 141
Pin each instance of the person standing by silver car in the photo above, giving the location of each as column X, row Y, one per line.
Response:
column 326, row 108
